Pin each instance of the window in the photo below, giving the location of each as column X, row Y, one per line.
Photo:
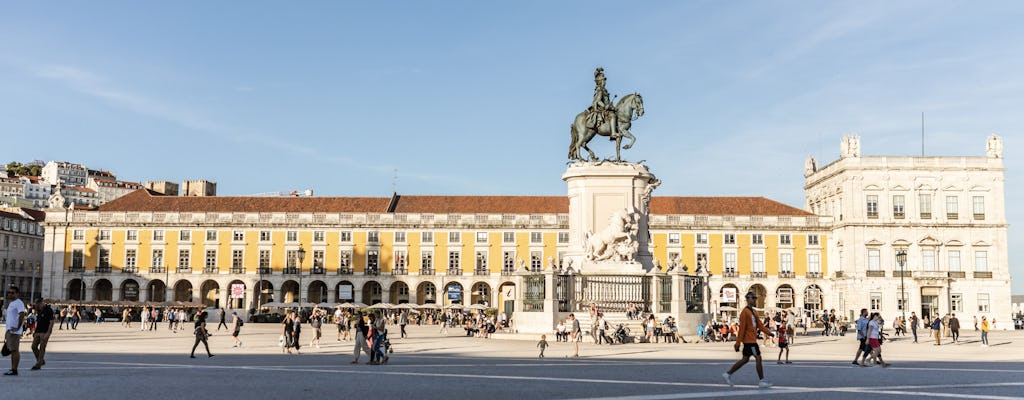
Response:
column 757, row 262
column 928, row 259
column 536, row 238
column 481, row 263
column 77, row 259
column 238, row 236
column 291, row 259
column 427, row 263
column 980, row 261
column 265, row 260
column 785, row 240
column 211, row 236
column 925, row 205
column 536, row 261
column 481, row 237
column 400, row 259
column 373, row 237
column 453, row 263
column 673, row 238
column 454, row 237
column 184, row 236
column 983, row 306
column 318, row 236
column 952, row 210
column 372, row 262
column 264, row 236
column 814, row 263
column 872, row 206
column 874, row 260
column 132, row 235
column 211, row 260
column 729, row 238
column 183, row 260
column 954, row 260
column 318, row 261
column 786, row 263
column 78, row 234
column 427, row 237
column 399, row 237
column 898, row 206
column 730, row 264
column 508, row 237
column 979, row 207
column 508, row 262
column 757, row 238
column 812, row 240
column 956, row 302
column 157, row 259
column 236, row 259
column 345, row 236
column 876, row 301
column 104, row 259
column 563, row 237
column 345, row 259
column 900, row 299
column 104, row 234
column 702, row 238
column 130, row 263
column 292, row 236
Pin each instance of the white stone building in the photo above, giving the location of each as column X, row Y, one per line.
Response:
column 65, row 173
column 36, row 190
column 947, row 213
column 21, row 250
column 108, row 190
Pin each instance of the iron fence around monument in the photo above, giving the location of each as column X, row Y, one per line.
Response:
column 533, row 296
column 610, row 293
column 665, row 297
column 694, row 292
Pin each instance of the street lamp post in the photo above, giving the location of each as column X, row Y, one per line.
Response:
column 901, row 259
column 259, row 289
column 302, row 256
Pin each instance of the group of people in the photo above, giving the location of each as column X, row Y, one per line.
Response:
column 36, row 320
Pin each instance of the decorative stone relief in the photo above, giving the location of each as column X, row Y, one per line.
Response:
column 617, row 241
column 850, row 146
column 994, row 147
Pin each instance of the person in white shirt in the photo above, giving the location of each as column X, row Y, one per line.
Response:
column 16, row 313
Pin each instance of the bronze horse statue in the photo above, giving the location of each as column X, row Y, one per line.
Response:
column 628, row 109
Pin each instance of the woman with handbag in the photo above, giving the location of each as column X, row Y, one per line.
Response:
column 201, row 335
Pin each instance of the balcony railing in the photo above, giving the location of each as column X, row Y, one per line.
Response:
column 904, row 274
column 730, row 274
column 952, row 215
column 157, row 270
column 508, row 271
column 426, row 271
column 814, row 274
column 981, row 274
column 317, row 271
column 400, row 271
column 129, row 270
column 454, row 271
column 758, row 274
column 480, row 271
column 103, row 269
column 979, row 217
column 211, row 270
column 957, row 274
column 237, row 270
column 181, row 270
column 344, row 270
column 786, row 274
column 291, row 271
column 875, row 274
column 264, row 270
column 372, row 271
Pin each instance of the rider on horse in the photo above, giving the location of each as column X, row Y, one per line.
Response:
column 602, row 109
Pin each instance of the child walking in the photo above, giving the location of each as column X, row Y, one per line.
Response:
column 542, row 344
column 784, row 342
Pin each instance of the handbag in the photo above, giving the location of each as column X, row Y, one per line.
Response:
column 5, row 351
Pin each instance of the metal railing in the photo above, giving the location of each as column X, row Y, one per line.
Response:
column 400, row 271
column 129, row 270
column 426, row 271
column 533, row 295
column 875, row 274
column 814, row 274
column 317, row 271
column 345, row 271
column 372, row 271
column 290, row 271
column 612, row 293
column 758, row 274
column 481, row 271
column 237, row 270
column 786, row 274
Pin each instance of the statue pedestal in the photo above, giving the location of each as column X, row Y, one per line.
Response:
column 599, row 193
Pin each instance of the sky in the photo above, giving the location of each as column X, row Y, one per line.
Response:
column 477, row 97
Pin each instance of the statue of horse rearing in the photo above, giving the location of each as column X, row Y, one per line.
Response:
column 582, row 132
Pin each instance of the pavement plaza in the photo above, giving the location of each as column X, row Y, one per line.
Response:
column 108, row 361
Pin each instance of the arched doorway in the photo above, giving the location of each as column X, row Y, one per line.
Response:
column 784, row 297
column 130, row 290
column 453, row 293
column 156, row 291
column 76, row 290
column 481, row 294
column 289, row 291
column 208, row 293
column 237, row 295
column 728, row 298
column 345, row 292
column 426, row 293
column 317, row 292
column 183, row 291
column 399, row 293
column 761, row 293
column 507, row 298
column 372, row 293
column 813, row 298
column 266, row 292
column 104, row 290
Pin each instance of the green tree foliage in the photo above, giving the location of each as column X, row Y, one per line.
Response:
column 17, row 168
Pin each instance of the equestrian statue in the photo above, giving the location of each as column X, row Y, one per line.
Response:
column 605, row 119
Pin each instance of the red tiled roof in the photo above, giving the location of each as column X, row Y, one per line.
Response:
column 145, row 200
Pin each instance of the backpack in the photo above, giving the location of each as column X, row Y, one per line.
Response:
column 240, row 322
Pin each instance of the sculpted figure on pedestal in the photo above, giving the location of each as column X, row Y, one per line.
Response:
column 850, row 146
column 994, row 147
column 617, row 241
column 603, row 118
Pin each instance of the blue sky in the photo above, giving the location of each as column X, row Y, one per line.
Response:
column 477, row 98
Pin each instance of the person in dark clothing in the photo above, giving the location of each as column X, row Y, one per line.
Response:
column 913, row 325
column 223, row 321
column 201, row 335
column 954, row 327
column 287, row 333
column 44, row 326
column 296, row 330
column 361, row 330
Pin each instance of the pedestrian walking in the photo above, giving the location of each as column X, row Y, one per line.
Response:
column 403, row 320
column 783, row 343
column 954, row 328
column 975, row 323
column 984, row 331
column 542, row 344
column 914, row 322
column 316, row 322
column 144, row 317
column 747, row 337
column 361, row 332
column 379, row 330
column 236, row 329
column 44, row 327
column 75, row 317
column 222, row 314
column 201, row 334
column 576, row 334
column 99, row 315
column 862, row 338
column 16, row 314
column 340, row 321
column 937, row 330
column 875, row 340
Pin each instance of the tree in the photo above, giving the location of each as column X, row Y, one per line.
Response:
column 17, row 168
